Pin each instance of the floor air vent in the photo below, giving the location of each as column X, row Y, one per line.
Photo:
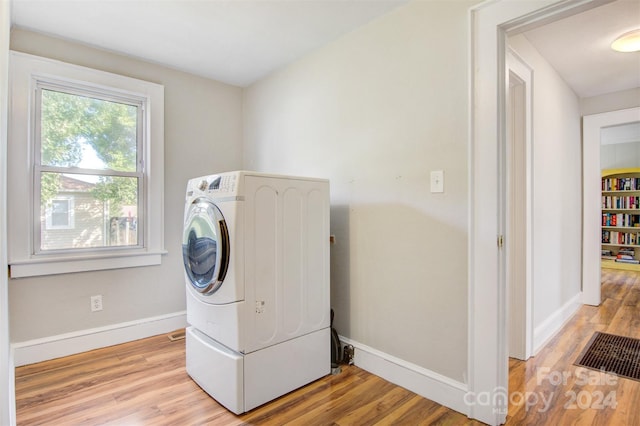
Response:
column 613, row 354
column 176, row 335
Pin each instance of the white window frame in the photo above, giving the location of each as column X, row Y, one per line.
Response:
column 70, row 214
column 25, row 258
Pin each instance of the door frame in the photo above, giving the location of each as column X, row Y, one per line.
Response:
column 490, row 22
column 591, row 177
column 520, row 206
column 7, row 381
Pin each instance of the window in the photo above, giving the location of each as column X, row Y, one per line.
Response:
column 91, row 197
column 87, row 143
column 60, row 214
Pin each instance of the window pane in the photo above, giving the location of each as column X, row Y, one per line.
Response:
column 104, row 211
column 60, row 213
column 79, row 131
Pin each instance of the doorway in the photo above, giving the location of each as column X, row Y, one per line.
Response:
column 593, row 126
column 488, row 345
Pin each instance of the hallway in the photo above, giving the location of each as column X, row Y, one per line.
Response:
column 549, row 390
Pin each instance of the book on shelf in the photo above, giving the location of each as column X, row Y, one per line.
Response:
column 624, row 202
column 621, row 184
column 620, row 237
column 620, row 219
column 625, row 220
column 608, row 254
column 632, row 261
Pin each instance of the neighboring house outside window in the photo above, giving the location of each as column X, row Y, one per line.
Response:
column 90, row 200
column 75, row 218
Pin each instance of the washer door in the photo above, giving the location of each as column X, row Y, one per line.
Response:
column 205, row 246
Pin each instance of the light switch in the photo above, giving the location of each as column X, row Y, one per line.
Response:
column 437, row 181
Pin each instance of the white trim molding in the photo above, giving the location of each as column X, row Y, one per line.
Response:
column 55, row 265
column 489, row 24
column 25, row 254
column 47, row 348
column 591, row 214
column 544, row 332
column 7, row 379
column 424, row 382
column 521, row 291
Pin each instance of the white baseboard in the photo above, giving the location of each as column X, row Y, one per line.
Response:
column 552, row 325
column 38, row 350
column 424, row 382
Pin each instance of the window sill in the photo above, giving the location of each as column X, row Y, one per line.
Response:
column 66, row 265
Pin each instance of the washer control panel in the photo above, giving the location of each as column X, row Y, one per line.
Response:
column 223, row 184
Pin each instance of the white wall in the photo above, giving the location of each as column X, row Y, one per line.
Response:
column 620, row 155
column 557, row 193
column 203, row 131
column 375, row 112
column 610, row 102
column 615, row 156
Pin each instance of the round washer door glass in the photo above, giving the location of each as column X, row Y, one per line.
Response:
column 205, row 246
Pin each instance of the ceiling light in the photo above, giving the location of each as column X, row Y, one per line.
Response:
column 627, row 42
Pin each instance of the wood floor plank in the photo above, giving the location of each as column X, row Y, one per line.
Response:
column 289, row 407
column 336, row 408
column 102, row 382
column 372, row 412
column 401, row 412
column 607, row 311
column 192, row 407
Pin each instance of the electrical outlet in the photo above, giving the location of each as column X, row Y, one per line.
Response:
column 96, row 303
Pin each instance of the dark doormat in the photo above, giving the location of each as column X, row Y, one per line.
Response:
column 613, row 354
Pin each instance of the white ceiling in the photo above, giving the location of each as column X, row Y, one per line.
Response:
column 233, row 41
column 241, row 41
column 578, row 48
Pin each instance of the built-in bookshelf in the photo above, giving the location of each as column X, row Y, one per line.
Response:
column 621, row 219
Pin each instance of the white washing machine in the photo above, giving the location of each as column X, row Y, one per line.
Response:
column 256, row 256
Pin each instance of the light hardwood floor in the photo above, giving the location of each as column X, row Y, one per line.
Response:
column 145, row 383
column 581, row 396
